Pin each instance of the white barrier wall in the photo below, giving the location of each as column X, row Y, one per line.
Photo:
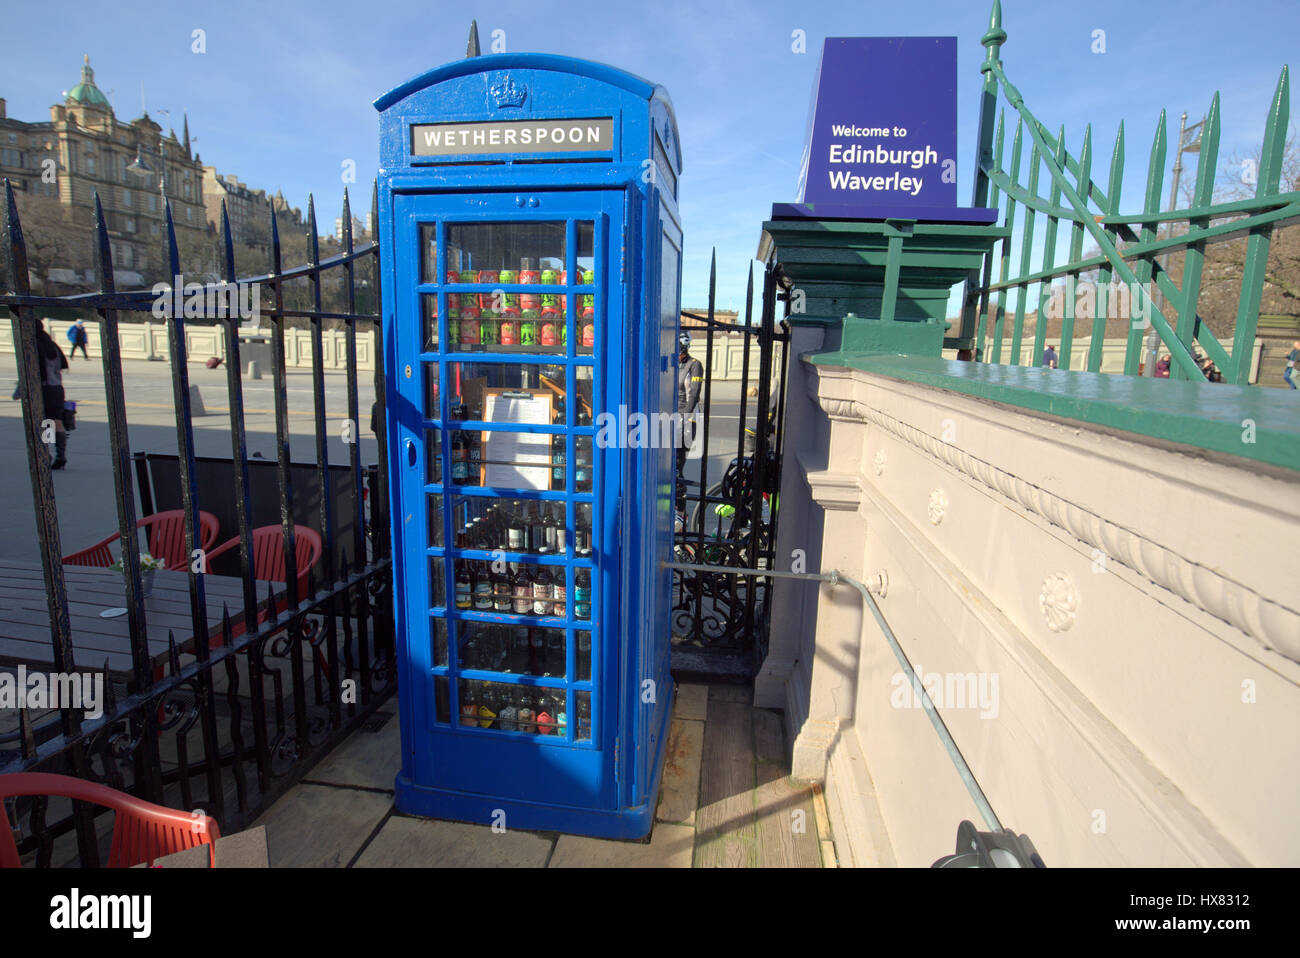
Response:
column 149, row 341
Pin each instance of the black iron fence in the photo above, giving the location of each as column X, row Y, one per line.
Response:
column 238, row 705
column 730, row 496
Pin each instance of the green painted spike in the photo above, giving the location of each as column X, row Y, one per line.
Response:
column 1208, row 158
column 1026, row 256
column 1084, row 176
column 1254, row 268
column 1275, row 127
column 993, row 38
column 1049, row 256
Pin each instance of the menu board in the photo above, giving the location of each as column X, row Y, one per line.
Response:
column 517, row 460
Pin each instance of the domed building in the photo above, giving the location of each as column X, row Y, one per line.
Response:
column 85, row 148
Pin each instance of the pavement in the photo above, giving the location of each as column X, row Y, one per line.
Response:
column 726, row 800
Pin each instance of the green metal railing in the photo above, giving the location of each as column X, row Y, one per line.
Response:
column 1131, row 248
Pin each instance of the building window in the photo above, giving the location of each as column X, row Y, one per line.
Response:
column 130, row 224
column 13, row 137
column 189, row 213
column 187, row 187
column 153, row 203
column 90, row 166
column 126, row 197
column 153, row 229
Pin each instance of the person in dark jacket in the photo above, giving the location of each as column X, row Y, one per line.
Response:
column 78, row 337
column 689, row 383
column 53, row 362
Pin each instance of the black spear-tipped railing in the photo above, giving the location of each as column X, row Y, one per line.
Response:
column 175, row 730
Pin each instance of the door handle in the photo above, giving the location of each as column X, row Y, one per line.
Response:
column 410, row 453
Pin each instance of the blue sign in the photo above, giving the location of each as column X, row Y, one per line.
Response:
column 882, row 137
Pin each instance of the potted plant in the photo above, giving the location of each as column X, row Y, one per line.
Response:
column 149, row 567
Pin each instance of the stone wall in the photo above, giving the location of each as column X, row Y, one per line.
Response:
column 1128, row 605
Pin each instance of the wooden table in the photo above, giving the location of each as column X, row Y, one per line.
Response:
column 25, row 620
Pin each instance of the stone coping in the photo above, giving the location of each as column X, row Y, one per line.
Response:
column 1210, row 416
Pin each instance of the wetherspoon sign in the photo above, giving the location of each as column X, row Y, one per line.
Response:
column 882, row 138
column 513, row 136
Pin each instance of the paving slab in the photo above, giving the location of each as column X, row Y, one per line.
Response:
column 319, row 826
column 680, row 791
column 407, row 842
column 692, row 702
column 366, row 759
column 740, row 694
column 670, row 846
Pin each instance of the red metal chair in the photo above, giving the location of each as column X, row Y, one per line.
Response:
column 268, row 563
column 142, row 831
column 166, row 541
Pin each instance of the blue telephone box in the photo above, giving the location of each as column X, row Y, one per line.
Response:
column 531, row 294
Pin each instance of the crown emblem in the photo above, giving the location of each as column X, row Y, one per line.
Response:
column 506, row 92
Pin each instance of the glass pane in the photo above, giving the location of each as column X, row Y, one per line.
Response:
column 583, row 638
column 430, row 301
column 433, row 455
column 514, row 262
column 516, row 588
column 442, row 699
column 585, row 413
column 435, row 519
column 584, row 313
column 512, row 708
column 523, row 249
column 582, row 464
column 582, row 530
column 432, row 410
column 440, row 642
column 507, row 460
column 437, row 584
column 582, row 731
column 428, row 253
column 513, row 525
column 522, row 650
column 582, row 593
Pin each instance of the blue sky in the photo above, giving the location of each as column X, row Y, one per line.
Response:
column 282, row 96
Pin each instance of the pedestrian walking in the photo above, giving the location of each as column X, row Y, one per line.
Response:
column 1292, row 358
column 78, row 337
column 689, row 384
column 53, row 362
column 1049, row 357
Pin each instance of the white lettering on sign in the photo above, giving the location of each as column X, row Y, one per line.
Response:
column 543, row 136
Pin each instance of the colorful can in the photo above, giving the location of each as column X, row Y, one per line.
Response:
column 510, row 301
column 509, row 333
column 486, row 299
column 489, row 329
column 453, row 299
column 588, row 333
column 546, row 333
column 529, row 277
column 469, row 325
column 528, row 328
column 467, row 276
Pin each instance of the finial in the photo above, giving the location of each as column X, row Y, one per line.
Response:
column 471, row 49
column 994, row 38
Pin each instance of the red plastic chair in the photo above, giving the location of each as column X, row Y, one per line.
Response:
column 166, row 541
column 268, row 563
column 142, row 831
